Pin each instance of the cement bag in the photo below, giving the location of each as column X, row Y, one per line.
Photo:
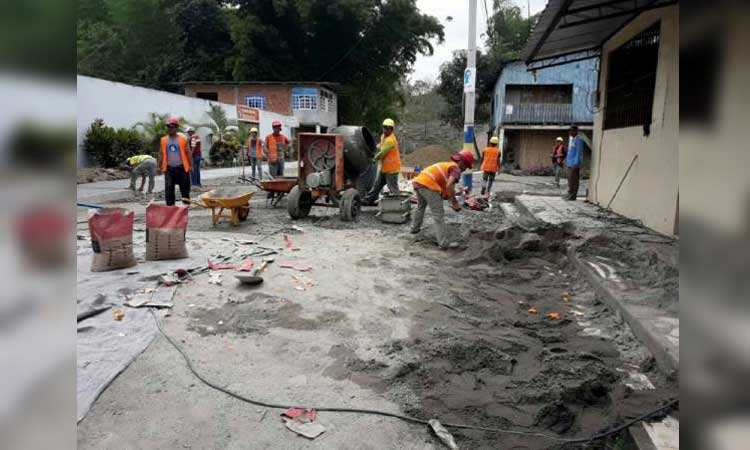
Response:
column 111, row 232
column 165, row 232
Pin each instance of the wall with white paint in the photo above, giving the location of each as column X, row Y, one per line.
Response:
column 122, row 106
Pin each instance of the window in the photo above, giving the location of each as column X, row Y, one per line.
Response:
column 256, row 101
column 631, row 81
column 326, row 101
column 208, row 95
column 304, row 102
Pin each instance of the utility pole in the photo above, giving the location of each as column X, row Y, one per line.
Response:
column 470, row 76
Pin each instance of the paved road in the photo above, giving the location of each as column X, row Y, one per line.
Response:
column 114, row 190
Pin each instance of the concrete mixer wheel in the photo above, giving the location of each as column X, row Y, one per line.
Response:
column 350, row 205
column 299, row 203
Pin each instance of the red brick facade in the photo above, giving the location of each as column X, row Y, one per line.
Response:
column 278, row 98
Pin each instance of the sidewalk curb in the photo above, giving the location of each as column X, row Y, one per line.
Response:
column 640, row 319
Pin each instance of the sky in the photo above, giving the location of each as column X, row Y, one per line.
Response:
column 457, row 30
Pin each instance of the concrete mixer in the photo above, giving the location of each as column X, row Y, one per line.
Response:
column 334, row 170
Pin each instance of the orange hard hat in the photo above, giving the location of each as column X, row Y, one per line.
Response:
column 173, row 121
column 465, row 156
column 276, row 123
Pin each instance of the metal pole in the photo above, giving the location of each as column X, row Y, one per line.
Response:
column 471, row 65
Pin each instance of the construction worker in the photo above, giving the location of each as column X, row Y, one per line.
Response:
column 389, row 160
column 141, row 165
column 490, row 164
column 175, row 162
column 574, row 160
column 558, row 159
column 195, row 149
column 255, row 152
column 435, row 184
column 276, row 146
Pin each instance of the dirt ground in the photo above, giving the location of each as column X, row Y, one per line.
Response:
column 383, row 320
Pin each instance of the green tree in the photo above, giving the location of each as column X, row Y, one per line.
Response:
column 507, row 33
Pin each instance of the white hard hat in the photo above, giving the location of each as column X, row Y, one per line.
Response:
column 189, row 129
column 559, row 139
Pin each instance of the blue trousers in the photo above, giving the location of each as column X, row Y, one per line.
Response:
column 196, row 178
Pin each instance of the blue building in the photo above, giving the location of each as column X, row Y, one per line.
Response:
column 531, row 109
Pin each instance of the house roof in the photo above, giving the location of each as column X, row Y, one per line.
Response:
column 570, row 29
column 325, row 84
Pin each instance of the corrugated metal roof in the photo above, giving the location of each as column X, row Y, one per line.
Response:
column 573, row 26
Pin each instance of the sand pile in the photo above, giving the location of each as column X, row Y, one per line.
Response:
column 427, row 155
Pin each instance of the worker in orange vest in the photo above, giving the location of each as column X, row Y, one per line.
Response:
column 490, row 164
column 389, row 158
column 255, row 152
column 276, row 146
column 435, row 184
column 175, row 161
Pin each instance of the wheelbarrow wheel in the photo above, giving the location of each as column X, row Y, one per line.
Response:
column 244, row 210
column 350, row 205
column 298, row 203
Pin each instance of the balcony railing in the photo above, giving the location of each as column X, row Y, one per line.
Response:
column 538, row 113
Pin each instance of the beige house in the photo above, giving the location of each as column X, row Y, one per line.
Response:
column 634, row 161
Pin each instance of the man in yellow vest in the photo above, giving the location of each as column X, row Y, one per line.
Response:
column 490, row 164
column 389, row 159
column 435, row 184
column 255, row 152
column 141, row 165
column 175, row 161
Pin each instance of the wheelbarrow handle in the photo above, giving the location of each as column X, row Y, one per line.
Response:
column 194, row 202
column 254, row 181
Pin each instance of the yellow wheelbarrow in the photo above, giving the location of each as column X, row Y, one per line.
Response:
column 237, row 202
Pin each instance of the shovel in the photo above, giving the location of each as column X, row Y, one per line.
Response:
column 254, row 276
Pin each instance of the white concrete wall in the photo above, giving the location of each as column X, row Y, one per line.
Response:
column 650, row 192
column 122, row 106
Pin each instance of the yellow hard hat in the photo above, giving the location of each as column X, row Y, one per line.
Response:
column 253, row 130
column 389, row 123
column 494, row 140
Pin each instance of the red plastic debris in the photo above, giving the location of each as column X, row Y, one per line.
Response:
column 246, row 266
column 301, row 414
column 289, row 244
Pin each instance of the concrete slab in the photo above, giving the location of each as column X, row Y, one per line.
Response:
column 661, row 435
column 558, row 211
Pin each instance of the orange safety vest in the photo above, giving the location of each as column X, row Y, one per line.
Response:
column 183, row 152
column 489, row 159
column 273, row 151
column 435, row 177
column 258, row 147
column 392, row 160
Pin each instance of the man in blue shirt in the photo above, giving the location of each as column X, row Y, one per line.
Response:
column 573, row 161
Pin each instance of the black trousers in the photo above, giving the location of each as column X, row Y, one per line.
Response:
column 574, row 174
column 176, row 176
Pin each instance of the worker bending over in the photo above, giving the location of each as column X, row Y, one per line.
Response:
column 435, row 184
column 141, row 165
column 490, row 163
column 388, row 158
column 255, row 152
column 175, row 162
column 276, row 146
